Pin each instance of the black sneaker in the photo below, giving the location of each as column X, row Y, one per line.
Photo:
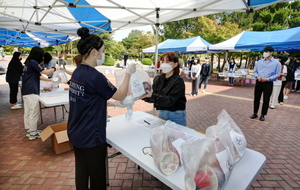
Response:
column 262, row 118
column 253, row 116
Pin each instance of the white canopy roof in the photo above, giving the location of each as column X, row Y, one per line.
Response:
column 190, row 45
column 66, row 16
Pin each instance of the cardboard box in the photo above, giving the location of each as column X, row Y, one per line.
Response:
column 59, row 137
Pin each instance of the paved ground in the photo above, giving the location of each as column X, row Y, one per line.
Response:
column 30, row 165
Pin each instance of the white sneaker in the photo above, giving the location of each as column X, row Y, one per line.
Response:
column 34, row 135
column 281, row 103
column 285, row 97
column 203, row 91
column 272, row 107
column 298, row 91
column 17, row 106
column 37, row 131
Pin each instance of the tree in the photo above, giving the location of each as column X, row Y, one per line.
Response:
column 178, row 29
column 127, row 42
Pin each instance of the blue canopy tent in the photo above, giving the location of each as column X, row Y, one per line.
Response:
column 184, row 46
column 32, row 39
column 281, row 40
column 66, row 16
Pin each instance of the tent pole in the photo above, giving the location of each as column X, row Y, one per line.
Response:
column 156, row 39
column 156, row 50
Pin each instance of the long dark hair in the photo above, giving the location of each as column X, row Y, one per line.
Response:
column 47, row 58
column 16, row 55
column 88, row 42
column 37, row 54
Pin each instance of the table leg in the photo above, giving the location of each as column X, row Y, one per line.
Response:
column 55, row 114
column 62, row 109
column 41, row 112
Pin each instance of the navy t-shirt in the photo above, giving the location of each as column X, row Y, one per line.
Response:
column 89, row 92
column 31, row 77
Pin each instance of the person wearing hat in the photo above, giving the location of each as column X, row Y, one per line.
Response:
column 265, row 71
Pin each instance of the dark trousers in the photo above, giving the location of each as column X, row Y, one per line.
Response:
column 90, row 167
column 203, row 79
column 13, row 93
column 266, row 89
column 280, row 96
column 195, row 84
column 296, row 85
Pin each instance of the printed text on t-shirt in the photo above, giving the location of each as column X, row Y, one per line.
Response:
column 76, row 89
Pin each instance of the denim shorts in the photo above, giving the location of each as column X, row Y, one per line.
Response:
column 178, row 116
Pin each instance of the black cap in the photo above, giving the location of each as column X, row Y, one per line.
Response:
column 269, row 48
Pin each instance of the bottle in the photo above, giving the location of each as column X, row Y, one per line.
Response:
column 128, row 114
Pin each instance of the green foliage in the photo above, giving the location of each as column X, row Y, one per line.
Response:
column 294, row 19
column 109, row 61
column 281, row 17
column 147, row 61
column 276, row 27
column 24, row 49
column 266, row 16
column 50, row 49
column 178, row 29
column 258, row 26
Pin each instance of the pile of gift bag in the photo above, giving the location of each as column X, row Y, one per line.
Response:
column 208, row 162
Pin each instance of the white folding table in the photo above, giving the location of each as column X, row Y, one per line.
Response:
column 56, row 98
column 129, row 137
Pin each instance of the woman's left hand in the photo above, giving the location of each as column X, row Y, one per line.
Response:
column 147, row 95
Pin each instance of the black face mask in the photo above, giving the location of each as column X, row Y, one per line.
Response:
column 20, row 59
column 298, row 59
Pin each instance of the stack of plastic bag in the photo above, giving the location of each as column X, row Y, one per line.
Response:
column 207, row 162
column 226, row 128
column 46, row 86
column 165, row 144
column 139, row 83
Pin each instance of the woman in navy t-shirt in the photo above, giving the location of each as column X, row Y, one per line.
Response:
column 89, row 92
column 31, row 90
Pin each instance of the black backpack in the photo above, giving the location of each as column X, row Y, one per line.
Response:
column 290, row 73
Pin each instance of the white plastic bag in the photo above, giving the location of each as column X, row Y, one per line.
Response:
column 139, row 83
column 165, row 144
column 59, row 76
column 207, row 162
column 46, row 86
column 226, row 128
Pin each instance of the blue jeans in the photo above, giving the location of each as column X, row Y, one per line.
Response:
column 203, row 79
column 178, row 116
column 231, row 79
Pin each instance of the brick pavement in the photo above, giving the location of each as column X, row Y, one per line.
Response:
column 30, row 165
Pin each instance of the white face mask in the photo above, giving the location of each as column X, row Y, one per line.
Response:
column 101, row 61
column 287, row 62
column 166, row 68
column 196, row 61
column 265, row 55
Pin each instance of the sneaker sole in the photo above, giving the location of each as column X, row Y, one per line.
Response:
column 38, row 131
column 33, row 138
